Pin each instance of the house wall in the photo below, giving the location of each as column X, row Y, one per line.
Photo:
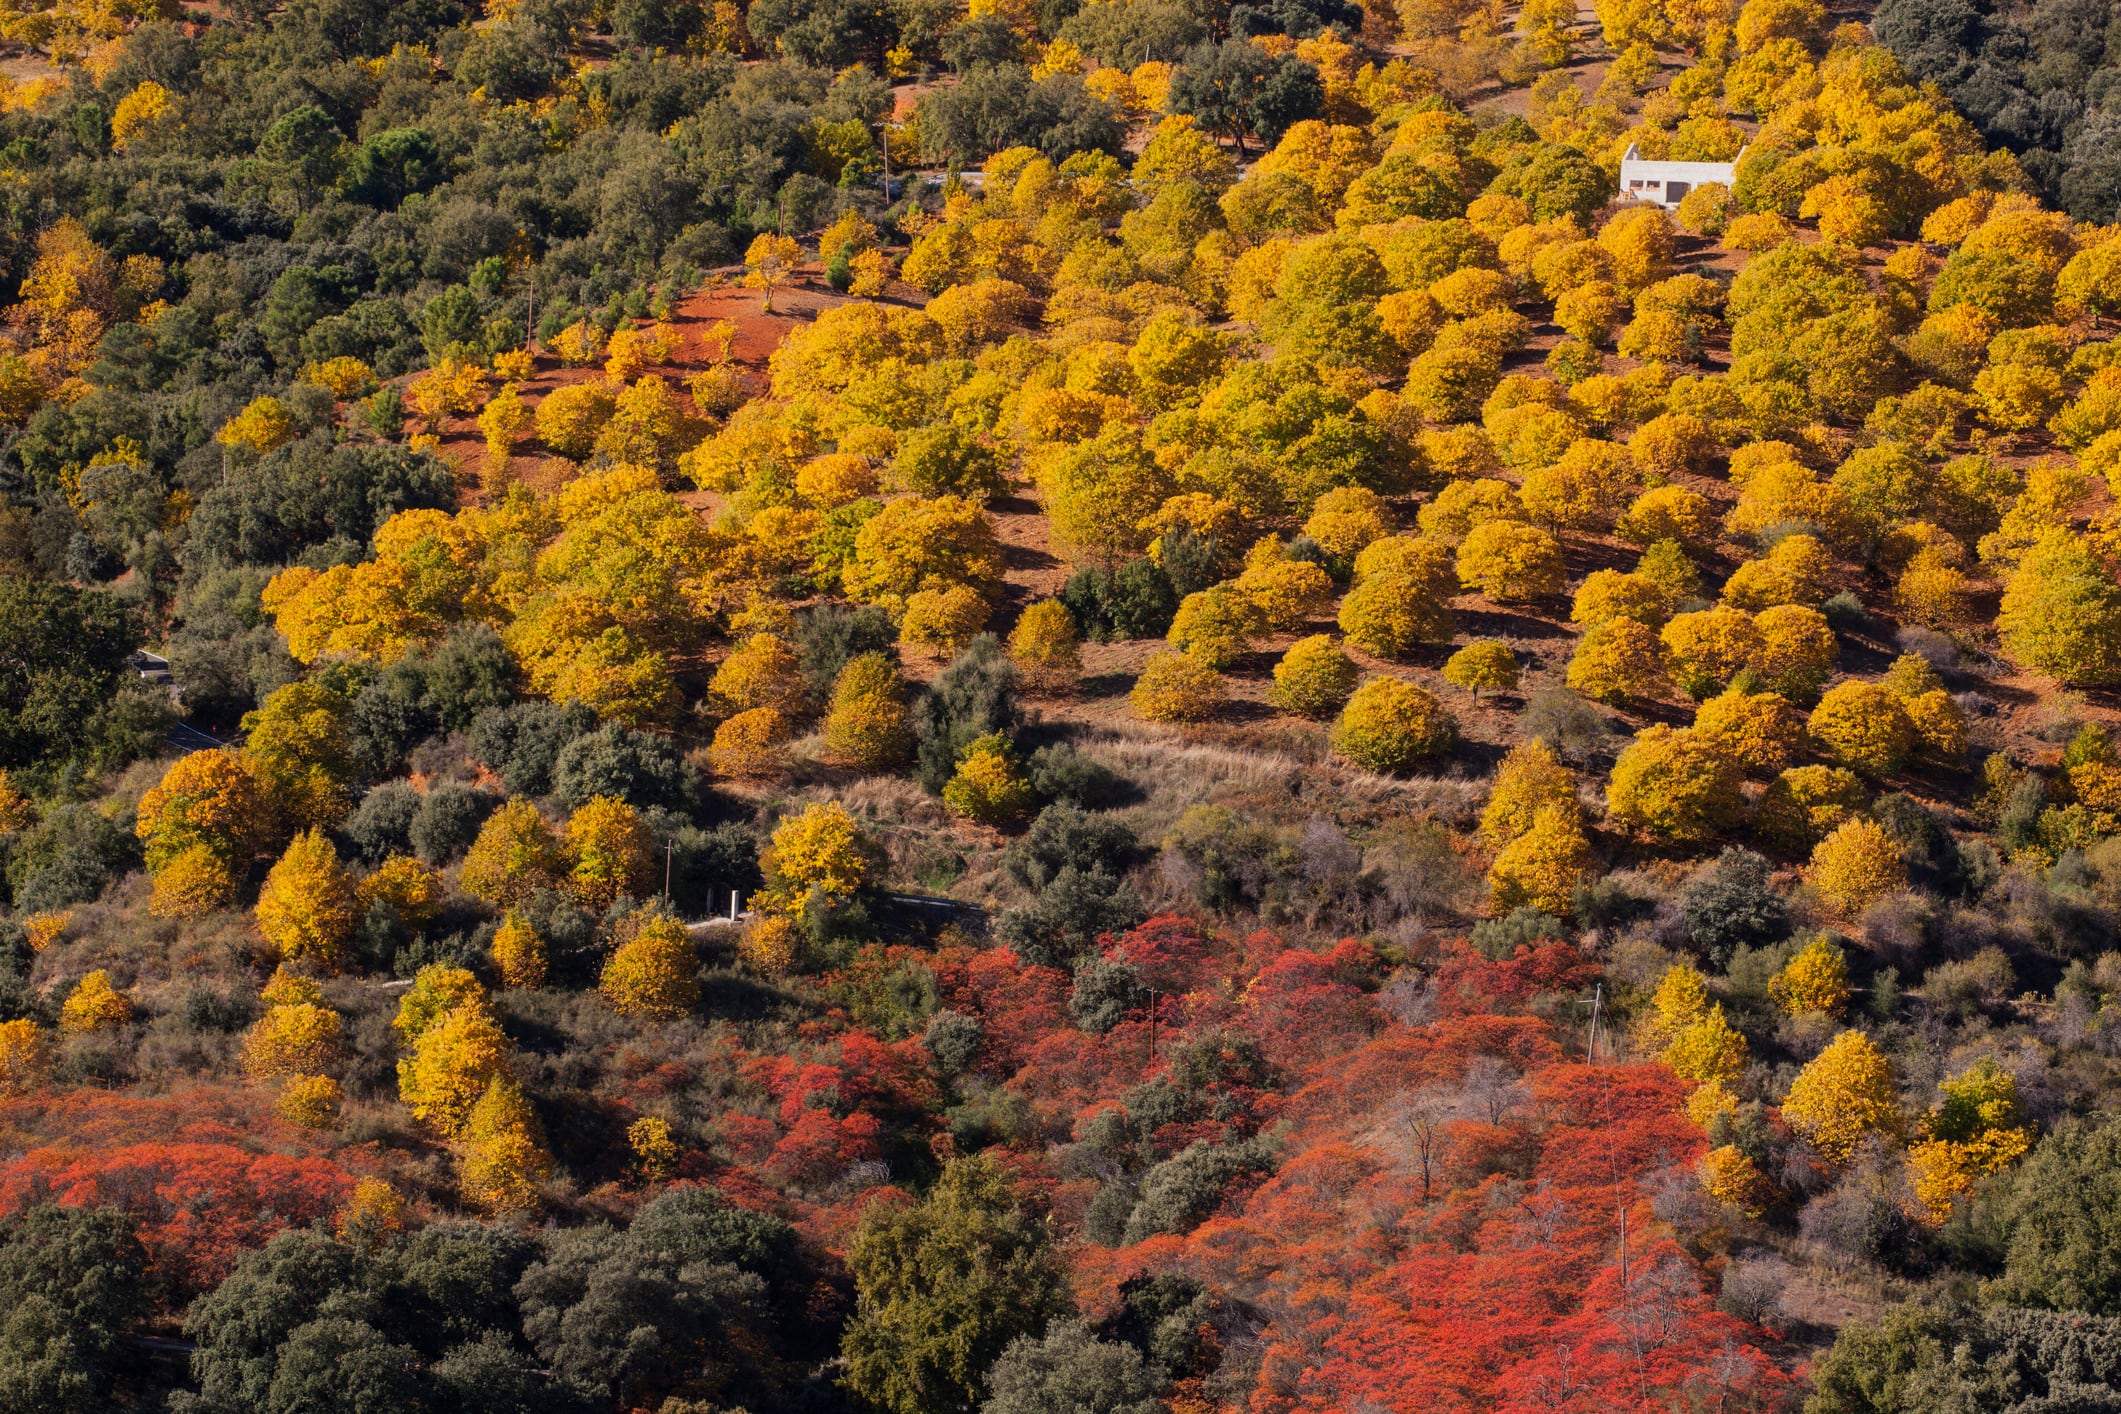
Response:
column 1667, row 182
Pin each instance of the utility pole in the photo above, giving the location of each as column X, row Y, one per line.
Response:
column 668, row 846
column 1152, row 1027
column 1597, row 1003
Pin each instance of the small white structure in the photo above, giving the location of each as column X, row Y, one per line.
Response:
column 1666, row 182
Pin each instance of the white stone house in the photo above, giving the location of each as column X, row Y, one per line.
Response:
column 1666, row 182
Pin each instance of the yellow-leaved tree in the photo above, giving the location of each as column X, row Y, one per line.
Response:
column 297, row 1035
column 518, row 952
column 306, row 909
column 514, row 856
column 869, row 727
column 501, row 1155
column 1486, row 663
column 1314, row 677
column 654, row 970
column 202, row 824
column 1844, row 1095
column 1046, row 645
column 1978, row 1128
column 1530, row 779
column 1390, row 725
column 451, row 1063
column 1177, row 687
column 94, row 1005
column 1681, row 787
column 1813, row 983
column 1543, row 867
column 819, row 848
column 987, row 787
column 610, row 849
column 296, row 745
column 25, row 1058
column 1856, row 865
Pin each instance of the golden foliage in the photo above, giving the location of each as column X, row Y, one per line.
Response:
column 987, row 787
column 610, row 850
column 771, row 945
column 1313, row 678
column 306, row 908
column 260, row 427
column 1484, row 663
column 1347, row 519
column 1845, row 1094
column 1856, row 865
column 1176, row 687
column 1618, row 660
column 452, row 1063
column 1530, row 779
column 1510, row 562
column 24, row 1058
column 310, row 1102
column 653, row 1148
column 943, row 620
column 1760, row 729
column 1392, row 612
column 819, row 847
column 654, row 972
column 1728, row 1176
column 1681, row 787
column 139, row 113
column 415, row 890
column 436, row 990
column 1978, row 1128
column 869, row 727
column 450, row 386
column 1863, row 726
column 343, row 377
column 748, row 745
column 1805, row 804
column 1542, row 867
column 1046, row 644
column 518, row 952
column 1390, row 726
column 293, row 1038
column 514, row 856
column 1706, row 1048
column 1216, row 625
column 94, row 1005
column 206, row 800
column 570, row 417
column 501, row 1152
column 1814, row 982
column 298, row 751
column 41, row 930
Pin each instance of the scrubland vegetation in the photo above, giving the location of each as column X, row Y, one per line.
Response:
column 1089, row 707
